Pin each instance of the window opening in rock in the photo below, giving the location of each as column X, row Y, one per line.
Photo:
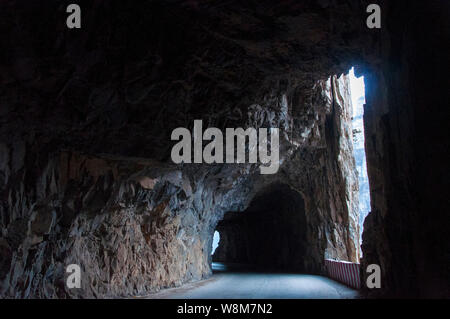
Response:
column 358, row 100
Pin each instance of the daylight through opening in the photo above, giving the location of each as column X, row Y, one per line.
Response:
column 357, row 90
column 215, row 243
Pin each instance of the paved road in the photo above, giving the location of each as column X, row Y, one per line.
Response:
column 256, row 285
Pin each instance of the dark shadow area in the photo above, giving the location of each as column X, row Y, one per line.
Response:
column 269, row 235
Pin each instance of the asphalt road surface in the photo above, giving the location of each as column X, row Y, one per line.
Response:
column 237, row 284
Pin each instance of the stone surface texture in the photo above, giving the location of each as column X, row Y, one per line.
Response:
column 86, row 117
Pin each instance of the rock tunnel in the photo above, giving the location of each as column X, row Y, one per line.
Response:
column 270, row 233
column 86, row 175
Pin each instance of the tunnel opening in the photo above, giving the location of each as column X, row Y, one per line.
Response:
column 270, row 234
column 215, row 242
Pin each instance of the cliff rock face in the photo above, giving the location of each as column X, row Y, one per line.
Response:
column 309, row 211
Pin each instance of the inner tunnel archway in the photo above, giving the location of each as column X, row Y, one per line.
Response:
column 269, row 234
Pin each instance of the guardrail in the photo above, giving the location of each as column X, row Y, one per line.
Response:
column 344, row 272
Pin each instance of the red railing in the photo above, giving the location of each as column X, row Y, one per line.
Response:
column 344, row 272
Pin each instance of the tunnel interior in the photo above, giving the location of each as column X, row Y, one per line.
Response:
column 269, row 234
column 86, row 175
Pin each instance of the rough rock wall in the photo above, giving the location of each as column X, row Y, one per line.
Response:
column 326, row 177
column 323, row 174
column 137, row 70
column 133, row 222
column 406, row 121
column 136, row 225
